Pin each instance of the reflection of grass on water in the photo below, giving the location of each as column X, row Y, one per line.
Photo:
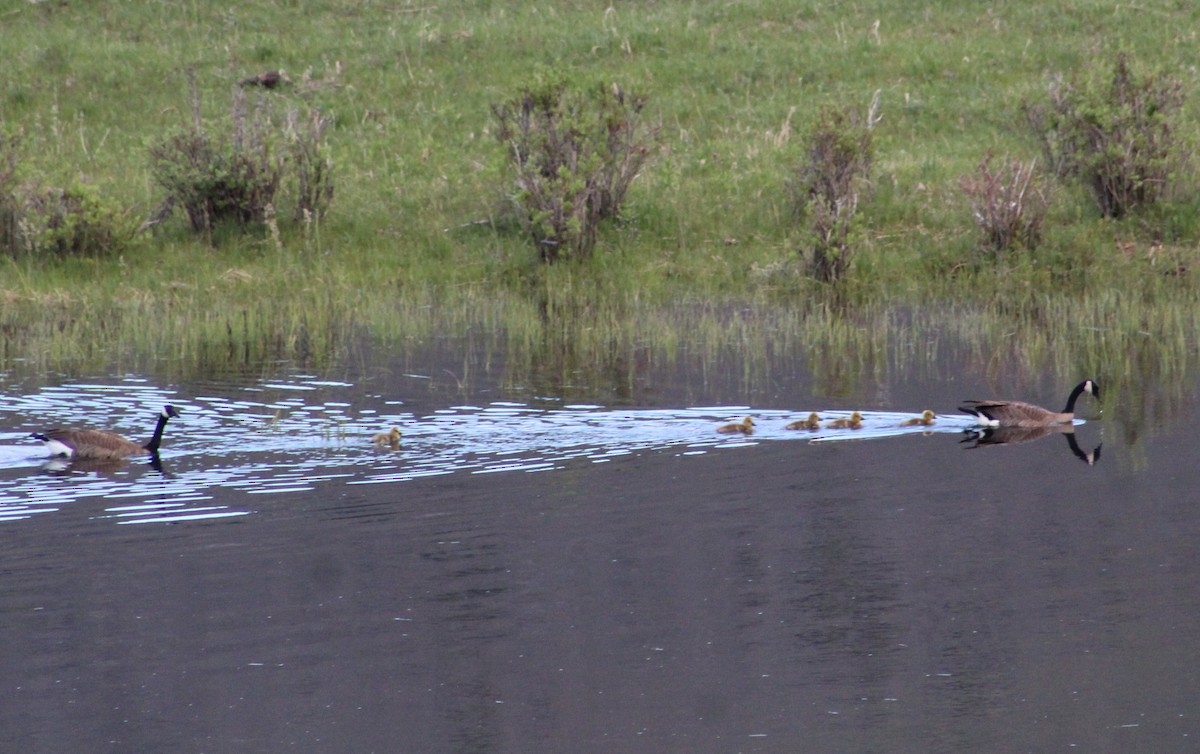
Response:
column 1115, row 330
column 334, row 431
column 572, row 338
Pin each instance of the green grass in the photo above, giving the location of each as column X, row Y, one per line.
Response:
column 707, row 229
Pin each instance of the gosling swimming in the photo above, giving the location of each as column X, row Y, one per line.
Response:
column 812, row 422
column 854, row 422
column 391, row 439
column 744, row 427
column 926, row 419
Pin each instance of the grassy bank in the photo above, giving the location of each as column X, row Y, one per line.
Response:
column 707, row 226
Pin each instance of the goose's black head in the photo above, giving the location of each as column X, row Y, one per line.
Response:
column 1089, row 386
column 170, row 412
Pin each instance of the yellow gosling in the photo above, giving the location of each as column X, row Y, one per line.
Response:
column 854, row 422
column 391, row 439
column 812, row 422
column 744, row 427
column 925, row 420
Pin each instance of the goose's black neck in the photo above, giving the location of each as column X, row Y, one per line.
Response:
column 1074, row 396
column 156, row 438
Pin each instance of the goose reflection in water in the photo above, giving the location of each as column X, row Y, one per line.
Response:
column 990, row 436
column 60, row 466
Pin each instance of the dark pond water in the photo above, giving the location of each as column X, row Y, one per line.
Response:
column 530, row 573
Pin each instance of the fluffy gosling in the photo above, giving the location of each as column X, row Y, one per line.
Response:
column 744, row 427
column 854, row 422
column 924, row 420
column 391, row 439
column 812, row 422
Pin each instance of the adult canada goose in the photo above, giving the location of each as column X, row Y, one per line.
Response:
column 812, row 422
column 744, row 427
column 388, row 438
column 97, row 445
column 1019, row 414
column 924, row 420
column 854, row 422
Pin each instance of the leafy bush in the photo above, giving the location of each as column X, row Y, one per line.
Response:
column 74, row 221
column 1116, row 135
column 213, row 182
column 1009, row 204
column 574, row 154
column 42, row 220
column 237, row 174
column 827, row 187
column 220, row 177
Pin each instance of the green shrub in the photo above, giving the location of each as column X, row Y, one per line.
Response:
column 74, row 221
column 43, row 220
column 1117, row 135
column 573, row 154
column 220, row 177
column 213, row 181
column 1008, row 204
column 237, row 174
column 826, row 189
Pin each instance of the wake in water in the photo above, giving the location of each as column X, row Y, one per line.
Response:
column 292, row 444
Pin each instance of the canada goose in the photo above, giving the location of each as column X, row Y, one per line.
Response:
column 98, row 445
column 854, row 422
column 812, row 422
column 925, row 420
column 388, row 438
column 267, row 80
column 744, row 427
column 1019, row 414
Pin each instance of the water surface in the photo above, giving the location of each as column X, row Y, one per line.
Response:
column 528, row 573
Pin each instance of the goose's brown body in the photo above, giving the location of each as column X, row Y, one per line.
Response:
column 92, row 443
